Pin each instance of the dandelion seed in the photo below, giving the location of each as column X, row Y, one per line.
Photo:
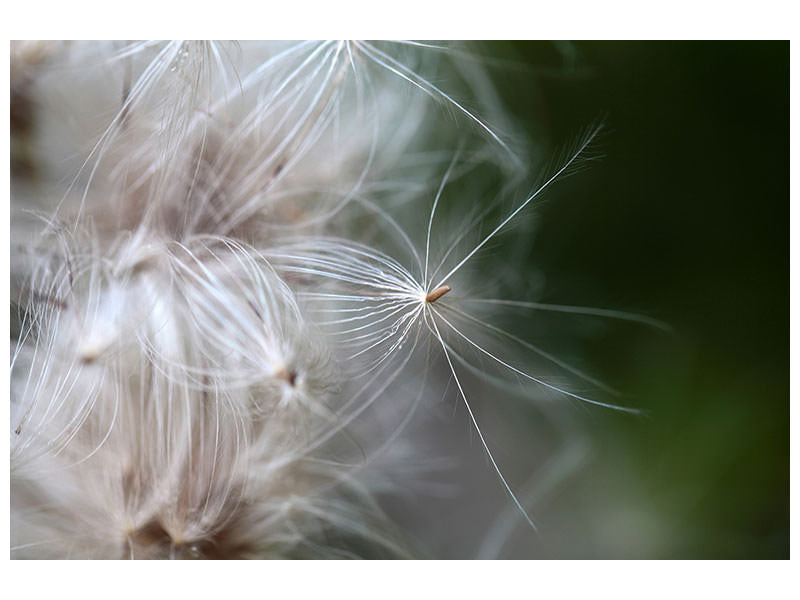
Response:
column 213, row 348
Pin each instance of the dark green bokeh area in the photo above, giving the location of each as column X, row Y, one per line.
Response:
column 687, row 219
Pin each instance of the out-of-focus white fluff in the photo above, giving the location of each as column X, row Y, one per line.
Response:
column 212, row 354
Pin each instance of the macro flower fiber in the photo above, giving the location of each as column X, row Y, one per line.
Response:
column 243, row 276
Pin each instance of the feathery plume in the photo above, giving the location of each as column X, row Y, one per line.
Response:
column 230, row 312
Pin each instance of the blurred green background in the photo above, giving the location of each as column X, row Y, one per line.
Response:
column 686, row 218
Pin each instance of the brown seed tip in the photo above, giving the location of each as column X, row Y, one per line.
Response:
column 437, row 293
column 287, row 375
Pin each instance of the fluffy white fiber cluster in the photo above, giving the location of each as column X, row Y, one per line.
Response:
column 233, row 290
